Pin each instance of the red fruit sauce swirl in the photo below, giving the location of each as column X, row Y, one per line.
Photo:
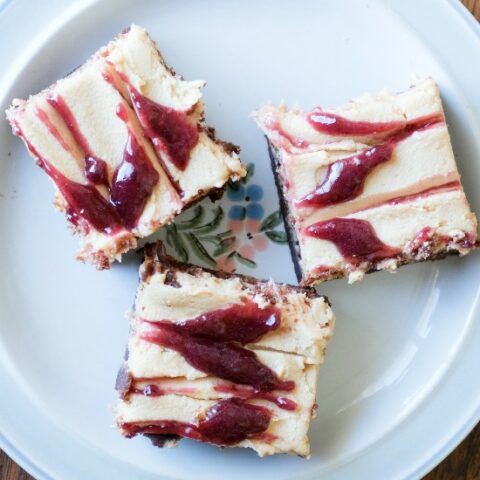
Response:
column 355, row 239
column 227, row 422
column 345, row 178
column 44, row 118
column 206, row 343
column 444, row 187
column 167, row 128
column 248, row 393
column 244, row 323
column 131, row 185
column 238, row 391
column 60, row 105
column 96, row 170
column 333, row 124
column 83, row 201
column 133, row 180
column 86, row 202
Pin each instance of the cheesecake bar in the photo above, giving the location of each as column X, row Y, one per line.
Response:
column 124, row 140
column 368, row 186
column 221, row 358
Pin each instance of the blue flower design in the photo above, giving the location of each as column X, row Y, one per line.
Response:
column 254, row 193
column 237, row 212
column 248, row 230
column 236, row 194
column 255, row 211
column 247, row 202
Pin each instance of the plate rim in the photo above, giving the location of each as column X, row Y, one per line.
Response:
column 49, row 30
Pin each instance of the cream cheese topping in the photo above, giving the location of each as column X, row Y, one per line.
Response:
column 137, row 59
column 157, row 300
column 288, row 435
column 402, row 175
column 93, row 100
column 422, row 100
column 293, row 351
column 136, row 56
column 420, row 173
column 448, row 214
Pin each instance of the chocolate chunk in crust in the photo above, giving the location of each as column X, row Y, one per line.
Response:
column 162, row 441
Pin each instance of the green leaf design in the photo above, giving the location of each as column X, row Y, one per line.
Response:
column 209, row 227
column 245, row 261
column 271, row 221
column 175, row 241
column 223, row 246
column 169, row 236
column 250, row 172
column 276, row 236
column 217, row 238
column 210, row 239
column 200, row 250
column 198, row 215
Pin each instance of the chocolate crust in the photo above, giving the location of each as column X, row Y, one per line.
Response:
column 400, row 262
column 230, row 148
column 157, row 260
column 284, row 209
column 163, row 441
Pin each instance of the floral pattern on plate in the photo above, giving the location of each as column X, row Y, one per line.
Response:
column 231, row 232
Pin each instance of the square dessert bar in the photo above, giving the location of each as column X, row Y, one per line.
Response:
column 124, row 141
column 369, row 186
column 221, row 358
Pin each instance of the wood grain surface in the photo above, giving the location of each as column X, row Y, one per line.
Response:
column 462, row 464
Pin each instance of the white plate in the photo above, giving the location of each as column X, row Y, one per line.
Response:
column 400, row 386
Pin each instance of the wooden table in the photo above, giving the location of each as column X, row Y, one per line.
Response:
column 462, row 464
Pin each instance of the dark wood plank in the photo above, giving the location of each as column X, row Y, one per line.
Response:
column 473, row 6
column 462, row 464
column 9, row 470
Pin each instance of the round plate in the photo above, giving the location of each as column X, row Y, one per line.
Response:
column 398, row 390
